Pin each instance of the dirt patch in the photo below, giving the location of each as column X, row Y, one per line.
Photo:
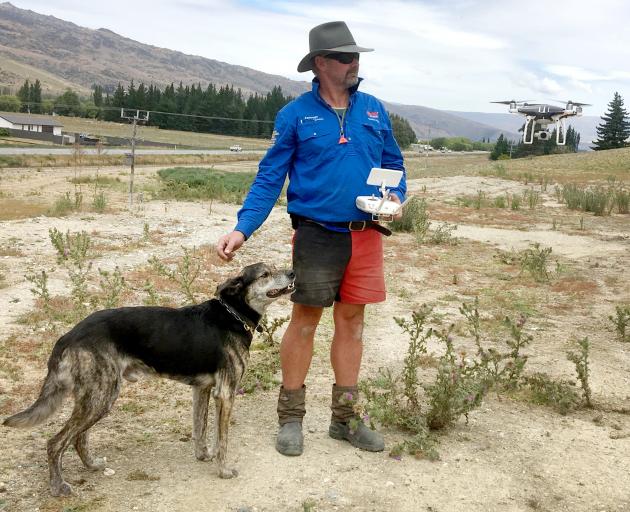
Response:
column 511, row 456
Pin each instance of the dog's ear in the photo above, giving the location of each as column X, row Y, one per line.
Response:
column 230, row 287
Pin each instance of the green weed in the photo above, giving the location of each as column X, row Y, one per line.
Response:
column 581, row 361
column 184, row 274
column 535, row 260
column 561, row 395
column 621, row 321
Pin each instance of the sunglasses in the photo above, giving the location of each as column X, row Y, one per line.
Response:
column 343, row 58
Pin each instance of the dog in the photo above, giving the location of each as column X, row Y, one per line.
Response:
column 205, row 346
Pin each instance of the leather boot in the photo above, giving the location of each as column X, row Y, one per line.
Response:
column 291, row 410
column 355, row 432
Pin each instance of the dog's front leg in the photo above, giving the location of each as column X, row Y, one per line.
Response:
column 224, row 403
column 201, row 397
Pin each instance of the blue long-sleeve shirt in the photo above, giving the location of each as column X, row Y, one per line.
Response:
column 325, row 177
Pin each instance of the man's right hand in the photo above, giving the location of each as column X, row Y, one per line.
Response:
column 229, row 244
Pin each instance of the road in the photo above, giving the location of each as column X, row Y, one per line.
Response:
column 113, row 151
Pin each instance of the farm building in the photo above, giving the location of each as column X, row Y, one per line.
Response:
column 30, row 123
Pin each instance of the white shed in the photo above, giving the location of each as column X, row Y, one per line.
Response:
column 30, row 123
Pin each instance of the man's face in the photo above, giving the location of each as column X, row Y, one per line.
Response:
column 340, row 68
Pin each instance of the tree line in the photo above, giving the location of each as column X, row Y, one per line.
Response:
column 505, row 148
column 223, row 110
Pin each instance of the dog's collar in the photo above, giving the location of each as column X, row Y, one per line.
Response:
column 248, row 326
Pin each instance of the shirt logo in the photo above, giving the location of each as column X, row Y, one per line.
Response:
column 372, row 115
column 274, row 136
column 312, row 118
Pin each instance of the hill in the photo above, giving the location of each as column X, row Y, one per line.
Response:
column 82, row 56
column 61, row 54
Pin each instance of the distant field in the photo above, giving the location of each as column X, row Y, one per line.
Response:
column 577, row 167
column 151, row 133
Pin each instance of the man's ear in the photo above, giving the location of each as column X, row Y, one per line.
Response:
column 230, row 287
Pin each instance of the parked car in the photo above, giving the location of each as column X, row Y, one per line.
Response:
column 236, row 148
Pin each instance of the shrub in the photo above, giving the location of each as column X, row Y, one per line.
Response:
column 561, row 395
column 459, row 387
column 534, row 260
column 415, row 219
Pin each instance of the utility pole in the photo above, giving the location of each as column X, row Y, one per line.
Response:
column 134, row 116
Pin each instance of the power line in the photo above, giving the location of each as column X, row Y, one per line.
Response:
column 218, row 118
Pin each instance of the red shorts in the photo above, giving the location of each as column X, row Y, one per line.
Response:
column 332, row 266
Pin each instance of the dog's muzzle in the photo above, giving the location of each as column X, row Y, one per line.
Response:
column 276, row 292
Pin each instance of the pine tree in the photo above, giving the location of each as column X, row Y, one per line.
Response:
column 500, row 148
column 615, row 130
column 97, row 95
column 35, row 97
column 403, row 132
column 24, row 95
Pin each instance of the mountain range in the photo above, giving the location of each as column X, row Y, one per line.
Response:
column 63, row 55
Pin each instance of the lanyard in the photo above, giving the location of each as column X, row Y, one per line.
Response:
column 342, row 138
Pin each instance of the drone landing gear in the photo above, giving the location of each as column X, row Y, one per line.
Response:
column 561, row 129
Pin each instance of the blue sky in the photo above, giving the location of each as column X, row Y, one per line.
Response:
column 450, row 55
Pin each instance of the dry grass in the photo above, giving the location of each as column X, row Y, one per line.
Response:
column 13, row 208
column 40, row 161
column 154, row 134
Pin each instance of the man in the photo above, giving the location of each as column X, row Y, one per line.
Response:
column 326, row 141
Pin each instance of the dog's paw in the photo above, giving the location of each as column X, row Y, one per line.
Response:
column 96, row 464
column 226, row 472
column 63, row 489
column 203, row 454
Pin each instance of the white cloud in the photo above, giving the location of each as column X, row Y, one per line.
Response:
column 455, row 55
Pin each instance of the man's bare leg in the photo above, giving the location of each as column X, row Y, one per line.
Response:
column 347, row 345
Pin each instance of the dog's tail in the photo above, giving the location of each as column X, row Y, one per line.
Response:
column 56, row 385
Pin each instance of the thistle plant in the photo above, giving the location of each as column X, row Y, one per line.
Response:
column 621, row 321
column 418, row 338
column 72, row 250
column 443, row 234
column 581, row 361
column 534, row 260
column 415, row 219
column 267, row 328
column 459, row 387
column 264, row 357
column 112, row 285
column 39, row 280
column 516, row 360
column 561, row 395
column 153, row 298
column 70, row 247
column 531, row 197
column 184, row 274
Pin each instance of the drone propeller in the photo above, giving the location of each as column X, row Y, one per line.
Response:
column 576, row 103
column 509, row 102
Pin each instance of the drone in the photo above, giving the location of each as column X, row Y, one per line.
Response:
column 544, row 115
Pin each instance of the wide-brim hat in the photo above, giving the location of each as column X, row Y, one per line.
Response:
column 330, row 37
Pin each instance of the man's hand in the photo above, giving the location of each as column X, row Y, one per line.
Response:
column 229, row 244
column 396, row 199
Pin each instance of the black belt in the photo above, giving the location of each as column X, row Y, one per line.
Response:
column 352, row 225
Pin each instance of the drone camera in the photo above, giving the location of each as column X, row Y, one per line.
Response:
column 542, row 135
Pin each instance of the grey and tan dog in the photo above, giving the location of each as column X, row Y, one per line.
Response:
column 205, row 346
